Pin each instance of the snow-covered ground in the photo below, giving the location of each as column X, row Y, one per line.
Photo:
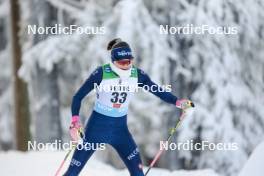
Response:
column 45, row 164
column 254, row 165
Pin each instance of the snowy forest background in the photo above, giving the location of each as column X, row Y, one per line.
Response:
column 222, row 74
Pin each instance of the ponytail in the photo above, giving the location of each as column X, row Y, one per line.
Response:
column 113, row 42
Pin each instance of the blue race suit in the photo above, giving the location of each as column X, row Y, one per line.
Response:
column 113, row 130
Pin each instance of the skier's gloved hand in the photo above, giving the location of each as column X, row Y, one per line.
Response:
column 76, row 129
column 184, row 104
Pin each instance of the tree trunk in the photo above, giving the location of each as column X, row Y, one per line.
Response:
column 20, row 87
column 46, row 106
column 3, row 35
column 170, row 159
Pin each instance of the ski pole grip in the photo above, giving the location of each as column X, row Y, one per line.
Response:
column 81, row 133
column 190, row 103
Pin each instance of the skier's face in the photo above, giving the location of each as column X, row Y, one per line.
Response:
column 124, row 64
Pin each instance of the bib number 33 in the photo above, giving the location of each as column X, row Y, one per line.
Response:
column 118, row 97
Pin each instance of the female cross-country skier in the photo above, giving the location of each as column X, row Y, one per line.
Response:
column 108, row 121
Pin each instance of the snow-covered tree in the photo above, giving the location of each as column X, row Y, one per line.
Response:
column 6, row 96
column 223, row 74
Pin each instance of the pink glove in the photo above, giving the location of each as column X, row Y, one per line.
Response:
column 184, row 104
column 76, row 130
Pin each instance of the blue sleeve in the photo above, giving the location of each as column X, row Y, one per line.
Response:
column 144, row 79
column 95, row 77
